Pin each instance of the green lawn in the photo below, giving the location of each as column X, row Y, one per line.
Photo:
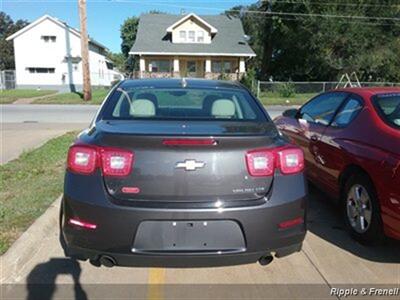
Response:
column 28, row 185
column 9, row 96
column 276, row 99
column 98, row 96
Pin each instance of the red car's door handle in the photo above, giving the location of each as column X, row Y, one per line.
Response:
column 314, row 138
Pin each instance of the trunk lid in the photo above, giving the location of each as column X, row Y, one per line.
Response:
column 187, row 173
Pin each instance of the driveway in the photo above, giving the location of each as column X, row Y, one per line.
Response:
column 329, row 258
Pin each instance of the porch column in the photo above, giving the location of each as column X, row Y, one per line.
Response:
column 142, row 66
column 207, row 68
column 176, row 72
column 242, row 65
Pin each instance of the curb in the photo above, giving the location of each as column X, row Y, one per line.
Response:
column 22, row 250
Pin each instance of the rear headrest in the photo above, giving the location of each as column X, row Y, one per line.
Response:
column 148, row 96
column 223, row 108
column 142, row 108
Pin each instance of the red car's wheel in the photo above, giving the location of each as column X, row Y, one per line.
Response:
column 361, row 210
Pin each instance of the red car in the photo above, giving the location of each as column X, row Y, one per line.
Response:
column 351, row 141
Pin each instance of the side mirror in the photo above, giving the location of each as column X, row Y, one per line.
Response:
column 290, row 113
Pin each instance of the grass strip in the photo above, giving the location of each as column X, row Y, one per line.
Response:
column 28, row 185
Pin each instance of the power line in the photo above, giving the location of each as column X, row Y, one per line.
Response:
column 296, row 2
column 281, row 13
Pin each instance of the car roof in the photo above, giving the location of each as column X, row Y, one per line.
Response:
column 180, row 83
column 370, row 91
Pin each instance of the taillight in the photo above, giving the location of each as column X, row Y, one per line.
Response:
column 84, row 159
column 116, row 162
column 291, row 160
column 260, row 163
column 263, row 162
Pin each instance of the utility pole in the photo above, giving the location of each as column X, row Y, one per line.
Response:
column 87, row 90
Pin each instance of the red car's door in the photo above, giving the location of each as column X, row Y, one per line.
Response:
column 329, row 150
column 309, row 125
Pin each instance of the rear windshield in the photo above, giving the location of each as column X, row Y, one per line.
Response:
column 182, row 103
column 388, row 107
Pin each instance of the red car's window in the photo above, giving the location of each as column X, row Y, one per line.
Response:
column 322, row 108
column 347, row 113
column 388, row 107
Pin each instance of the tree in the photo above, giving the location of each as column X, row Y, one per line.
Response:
column 118, row 59
column 7, row 28
column 128, row 34
column 311, row 47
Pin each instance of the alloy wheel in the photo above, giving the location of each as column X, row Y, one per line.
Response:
column 359, row 208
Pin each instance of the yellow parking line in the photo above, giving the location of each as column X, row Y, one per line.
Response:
column 155, row 281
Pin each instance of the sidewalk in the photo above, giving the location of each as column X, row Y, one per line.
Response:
column 31, row 100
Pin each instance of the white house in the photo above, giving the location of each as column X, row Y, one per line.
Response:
column 48, row 56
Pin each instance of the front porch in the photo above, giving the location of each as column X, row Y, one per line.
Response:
column 228, row 68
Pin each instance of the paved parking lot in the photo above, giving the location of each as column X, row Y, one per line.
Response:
column 329, row 258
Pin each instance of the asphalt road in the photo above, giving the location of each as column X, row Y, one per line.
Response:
column 24, row 127
column 329, row 256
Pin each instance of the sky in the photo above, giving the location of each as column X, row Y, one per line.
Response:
column 106, row 16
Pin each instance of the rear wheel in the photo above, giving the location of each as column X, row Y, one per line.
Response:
column 361, row 210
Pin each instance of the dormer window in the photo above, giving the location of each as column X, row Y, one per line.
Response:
column 182, row 36
column 200, row 36
column 191, row 29
column 192, row 37
column 49, row 38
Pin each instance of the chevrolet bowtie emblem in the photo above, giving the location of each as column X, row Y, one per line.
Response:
column 190, row 165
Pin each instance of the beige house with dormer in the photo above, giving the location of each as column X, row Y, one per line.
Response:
column 191, row 46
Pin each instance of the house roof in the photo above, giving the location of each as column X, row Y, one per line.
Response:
column 152, row 38
column 183, row 19
column 58, row 22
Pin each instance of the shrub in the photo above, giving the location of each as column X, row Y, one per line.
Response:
column 249, row 79
column 286, row 89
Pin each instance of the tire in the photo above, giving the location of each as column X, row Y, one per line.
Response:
column 361, row 211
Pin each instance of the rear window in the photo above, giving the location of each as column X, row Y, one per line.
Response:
column 182, row 104
column 388, row 107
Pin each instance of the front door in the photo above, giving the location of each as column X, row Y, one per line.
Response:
column 191, row 68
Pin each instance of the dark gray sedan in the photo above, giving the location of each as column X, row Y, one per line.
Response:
column 177, row 172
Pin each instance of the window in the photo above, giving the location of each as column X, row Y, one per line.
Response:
column 110, row 65
column 182, row 104
column 191, row 36
column 49, row 38
column 41, row 70
column 160, row 66
column 200, row 36
column 216, row 66
column 347, row 113
column 227, row 67
column 182, row 36
column 388, row 108
column 322, row 108
column 221, row 66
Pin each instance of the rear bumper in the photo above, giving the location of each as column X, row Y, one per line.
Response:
column 117, row 226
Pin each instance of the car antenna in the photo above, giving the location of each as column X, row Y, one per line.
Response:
column 184, row 82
